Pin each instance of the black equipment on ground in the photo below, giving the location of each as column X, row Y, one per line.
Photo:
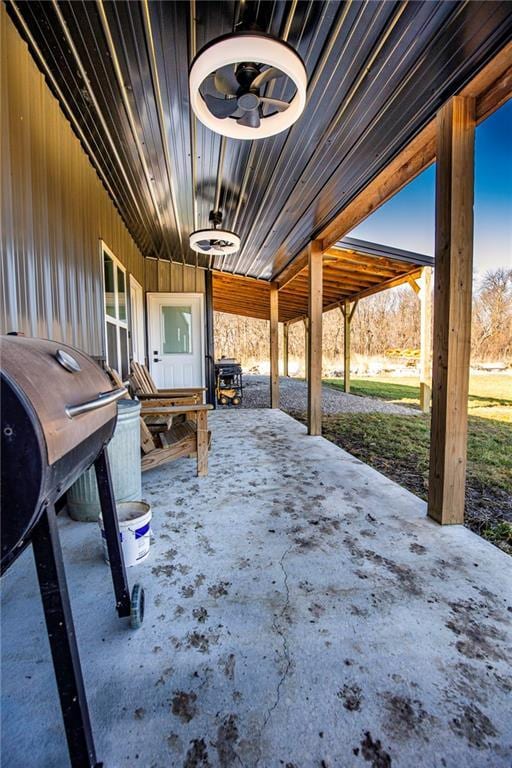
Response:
column 228, row 381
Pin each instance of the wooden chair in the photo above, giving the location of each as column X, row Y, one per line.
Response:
column 145, row 388
column 169, row 431
column 184, row 438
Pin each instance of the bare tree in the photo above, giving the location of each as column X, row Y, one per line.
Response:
column 388, row 320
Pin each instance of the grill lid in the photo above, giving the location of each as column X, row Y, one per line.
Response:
column 69, row 393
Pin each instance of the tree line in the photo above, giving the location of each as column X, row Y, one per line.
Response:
column 388, row 320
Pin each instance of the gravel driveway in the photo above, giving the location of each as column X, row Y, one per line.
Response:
column 294, row 394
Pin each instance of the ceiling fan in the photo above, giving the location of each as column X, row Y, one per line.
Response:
column 214, row 241
column 229, row 80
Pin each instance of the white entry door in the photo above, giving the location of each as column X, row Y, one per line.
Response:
column 176, row 343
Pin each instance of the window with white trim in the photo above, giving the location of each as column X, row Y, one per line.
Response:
column 116, row 315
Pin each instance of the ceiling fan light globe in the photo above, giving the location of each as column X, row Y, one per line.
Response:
column 241, row 47
column 221, row 242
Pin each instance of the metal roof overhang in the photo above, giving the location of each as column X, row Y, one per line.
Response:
column 352, row 269
column 377, row 74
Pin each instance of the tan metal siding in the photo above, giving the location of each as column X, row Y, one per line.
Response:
column 54, row 211
column 168, row 277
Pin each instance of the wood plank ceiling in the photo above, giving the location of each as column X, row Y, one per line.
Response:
column 351, row 269
column 378, row 71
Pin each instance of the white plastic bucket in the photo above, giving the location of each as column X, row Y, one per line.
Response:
column 134, row 529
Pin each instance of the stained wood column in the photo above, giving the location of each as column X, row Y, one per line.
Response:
column 285, row 348
column 425, row 297
column 274, row 345
column 315, row 338
column 452, row 309
column 347, row 310
column 306, row 347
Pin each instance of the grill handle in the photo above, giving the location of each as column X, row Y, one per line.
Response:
column 104, row 398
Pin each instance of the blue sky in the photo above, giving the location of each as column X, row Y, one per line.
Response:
column 407, row 220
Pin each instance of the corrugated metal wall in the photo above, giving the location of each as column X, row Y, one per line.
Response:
column 173, row 278
column 54, row 211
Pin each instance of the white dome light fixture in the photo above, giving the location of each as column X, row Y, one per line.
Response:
column 214, row 241
column 227, row 79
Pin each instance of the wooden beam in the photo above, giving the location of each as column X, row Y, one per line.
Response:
column 491, row 87
column 315, row 339
column 274, row 346
column 299, row 263
column 425, row 297
column 452, row 309
column 417, row 156
column 392, row 283
column 414, row 285
column 285, row 348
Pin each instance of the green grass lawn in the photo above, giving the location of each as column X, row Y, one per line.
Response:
column 398, row 446
column 490, row 394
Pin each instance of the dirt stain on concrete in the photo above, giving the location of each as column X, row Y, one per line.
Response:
column 351, row 696
column 183, row 705
column 406, row 717
column 200, row 641
column 418, row 549
column 200, row 614
column 163, row 570
column 477, row 639
column 373, row 752
column 220, row 589
column 228, row 666
column 474, row 726
column 227, row 737
column 197, row 755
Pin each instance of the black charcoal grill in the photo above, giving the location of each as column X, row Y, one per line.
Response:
column 228, row 381
column 58, row 415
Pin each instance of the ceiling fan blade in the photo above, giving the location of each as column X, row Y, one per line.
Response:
column 204, row 245
column 281, row 106
column 225, row 80
column 220, row 107
column 251, row 119
column 272, row 73
column 208, row 86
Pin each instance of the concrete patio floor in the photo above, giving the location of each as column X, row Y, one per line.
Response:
column 301, row 612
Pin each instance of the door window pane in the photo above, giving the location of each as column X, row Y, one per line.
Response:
column 112, row 358
column 121, row 294
column 110, row 289
column 123, row 346
column 177, row 330
column 117, row 342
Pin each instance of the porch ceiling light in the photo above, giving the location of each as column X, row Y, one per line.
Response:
column 227, row 83
column 214, row 242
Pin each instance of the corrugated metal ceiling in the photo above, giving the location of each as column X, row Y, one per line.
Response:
column 377, row 73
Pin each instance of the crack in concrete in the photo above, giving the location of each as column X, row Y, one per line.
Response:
column 286, row 653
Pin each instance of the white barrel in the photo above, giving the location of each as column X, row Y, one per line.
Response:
column 134, row 530
column 124, row 457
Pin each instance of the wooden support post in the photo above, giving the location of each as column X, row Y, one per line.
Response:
column 315, row 307
column 425, row 297
column 306, row 347
column 286, row 329
column 202, row 443
column 452, row 309
column 347, row 310
column 274, row 346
